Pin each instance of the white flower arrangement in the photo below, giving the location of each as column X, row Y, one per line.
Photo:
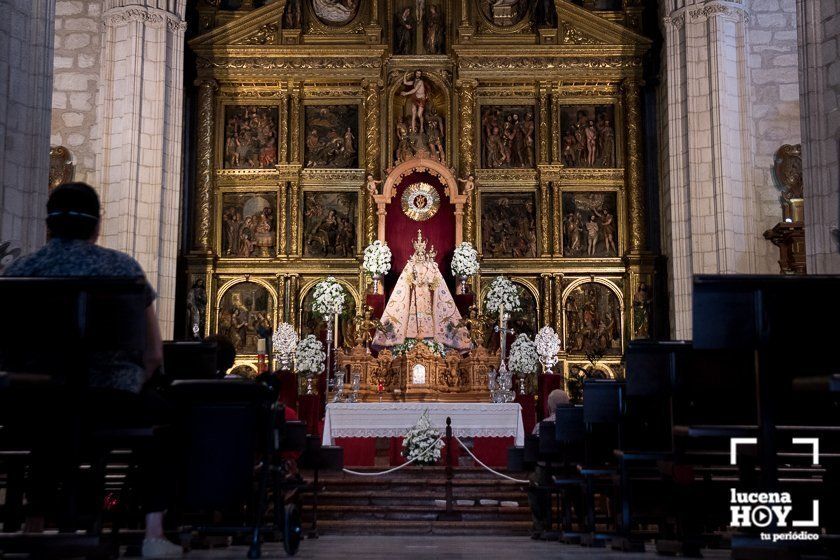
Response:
column 309, row 356
column 285, row 339
column 422, row 442
column 523, row 355
column 465, row 260
column 548, row 345
column 502, row 293
column 377, row 258
column 328, row 298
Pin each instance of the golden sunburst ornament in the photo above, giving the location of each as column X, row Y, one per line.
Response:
column 420, row 201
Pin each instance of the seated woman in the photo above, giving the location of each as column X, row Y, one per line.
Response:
column 73, row 220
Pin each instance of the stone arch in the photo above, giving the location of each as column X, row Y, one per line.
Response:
column 421, row 163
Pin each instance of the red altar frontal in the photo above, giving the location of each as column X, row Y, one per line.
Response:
column 370, row 430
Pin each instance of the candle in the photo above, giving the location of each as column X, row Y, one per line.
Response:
column 261, row 346
column 335, row 337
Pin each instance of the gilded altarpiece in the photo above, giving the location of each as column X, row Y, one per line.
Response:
column 302, row 106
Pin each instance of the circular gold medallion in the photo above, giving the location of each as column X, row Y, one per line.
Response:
column 420, row 201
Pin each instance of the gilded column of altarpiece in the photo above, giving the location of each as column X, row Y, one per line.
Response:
column 300, row 101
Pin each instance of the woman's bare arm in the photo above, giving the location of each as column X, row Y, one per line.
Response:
column 153, row 355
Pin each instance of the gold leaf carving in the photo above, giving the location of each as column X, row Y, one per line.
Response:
column 265, row 35
column 570, row 35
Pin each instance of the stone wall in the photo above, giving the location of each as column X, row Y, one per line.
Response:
column 117, row 107
column 774, row 69
column 819, row 40
column 729, row 88
column 78, row 44
column 26, row 43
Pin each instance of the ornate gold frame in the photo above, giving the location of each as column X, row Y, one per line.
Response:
column 244, row 58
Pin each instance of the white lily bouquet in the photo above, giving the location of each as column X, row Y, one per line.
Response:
column 284, row 343
column 465, row 260
column 309, row 356
column 328, row 298
column 548, row 346
column 422, row 442
column 523, row 355
column 502, row 293
column 377, row 259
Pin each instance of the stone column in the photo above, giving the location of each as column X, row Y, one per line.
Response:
column 545, row 288
column 557, row 222
column 558, row 306
column 466, row 101
column 293, row 295
column 294, row 140
column 26, row 39
column 283, row 133
column 635, row 169
column 142, row 124
column 545, row 211
column 544, row 121
column 283, row 224
column 205, row 165
column 372, row 154
column 555, row 127
column 280, row 284
column 708, row 205
column 817, row 22
column 294, row 206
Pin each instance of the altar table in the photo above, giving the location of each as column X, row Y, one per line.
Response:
column 371, row 420
column 493, row 427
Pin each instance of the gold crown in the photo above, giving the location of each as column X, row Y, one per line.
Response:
column 420, row 252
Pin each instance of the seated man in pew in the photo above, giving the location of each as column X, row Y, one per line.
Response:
column 539, row 497
column 73, row 221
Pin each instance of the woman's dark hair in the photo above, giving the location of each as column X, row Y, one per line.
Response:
column 225, row 352
column 73, row 211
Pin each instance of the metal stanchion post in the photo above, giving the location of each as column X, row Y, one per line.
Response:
column 450, row 514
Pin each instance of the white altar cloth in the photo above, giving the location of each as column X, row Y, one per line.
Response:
column 369, row 420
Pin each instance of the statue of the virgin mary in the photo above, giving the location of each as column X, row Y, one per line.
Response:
column 421, row 306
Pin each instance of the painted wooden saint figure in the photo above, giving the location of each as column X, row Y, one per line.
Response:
column 421, row 306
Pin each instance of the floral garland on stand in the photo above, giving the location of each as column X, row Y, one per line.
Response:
column 548, row 346
column 377, row 262
column 523, row 359
column 309, row 359
column 328, row 298
column 328, row 302
column 502, row 295
column 422, row 443
column 465, row 263
column 284, row 344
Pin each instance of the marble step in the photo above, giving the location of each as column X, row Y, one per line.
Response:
column 408, row 499
column 420, row 513
column 359, row 482
column 391, row 527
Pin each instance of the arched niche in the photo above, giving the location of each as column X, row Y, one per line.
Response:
column 593, row 308
column 308, row 323
column 246, row 310
column 524, row 320
column 422, row 163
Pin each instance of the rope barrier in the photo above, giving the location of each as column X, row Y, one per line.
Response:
column 407, row 463
column 477, row 460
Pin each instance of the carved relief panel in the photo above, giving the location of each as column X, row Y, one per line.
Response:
column 250, row 137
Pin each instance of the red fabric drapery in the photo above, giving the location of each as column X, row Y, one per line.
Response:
column 439, row 230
